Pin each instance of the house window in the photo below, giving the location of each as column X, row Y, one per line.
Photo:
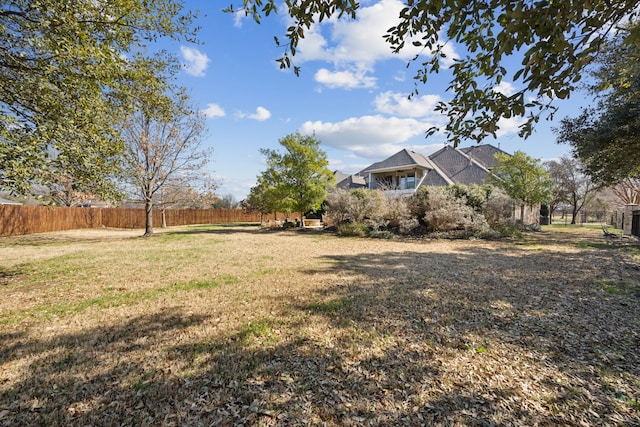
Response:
column 407, row 181
column 398, row 181
column 411, row 181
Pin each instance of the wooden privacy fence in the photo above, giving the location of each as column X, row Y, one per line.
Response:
column 15, row 219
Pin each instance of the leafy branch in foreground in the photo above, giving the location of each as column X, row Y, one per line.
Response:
column 555, row 40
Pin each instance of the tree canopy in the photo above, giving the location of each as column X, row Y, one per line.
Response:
column 294, row 181
column 606, row 138
column 60, row 64
column 554, row 41
column 523, row 178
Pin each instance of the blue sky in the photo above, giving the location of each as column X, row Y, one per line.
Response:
column 352, row 92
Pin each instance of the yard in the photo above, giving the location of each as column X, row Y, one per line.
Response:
column 240, row 326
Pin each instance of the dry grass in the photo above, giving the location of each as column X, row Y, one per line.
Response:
column 239, row 326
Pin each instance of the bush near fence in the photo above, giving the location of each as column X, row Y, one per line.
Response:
column 16, row 220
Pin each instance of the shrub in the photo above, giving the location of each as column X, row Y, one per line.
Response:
column 439, row 209
column 369, row 207
column 352, row 229
column 398, row 215
column 447, row 213
column 419, row 204
column 475, row 196
column 499, row 209
column 382, row 234
column 362, row 206
column 337, row 209
column 407, row 225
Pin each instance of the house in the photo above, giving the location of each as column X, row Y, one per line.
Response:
column 348, row 182
column 407, row 170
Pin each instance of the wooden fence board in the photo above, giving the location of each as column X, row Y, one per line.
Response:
column 16, row 220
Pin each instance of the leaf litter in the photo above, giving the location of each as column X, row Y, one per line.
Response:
column 321, row 330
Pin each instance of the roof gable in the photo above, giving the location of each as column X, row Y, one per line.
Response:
column 402, row 159
column 472, row 174
column 483, row 154
column 340, row 176
column 450, row 160
column 435, row 178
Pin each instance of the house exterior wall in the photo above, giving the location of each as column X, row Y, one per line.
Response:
column 531, row 214
column 628, row 218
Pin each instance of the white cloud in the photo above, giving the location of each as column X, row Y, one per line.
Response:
column 239, row 188
column 505, row 88
column 238, row 18
column 509, row 126
column 399, row 104
column 196, row 62
column 368, row 136
column 400, row 76
column 260, row 115
column 344, row 79
column 360, row 41
column 212, row 111
column 360, row 44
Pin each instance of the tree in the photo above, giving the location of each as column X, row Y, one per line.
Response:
column 295, row 181
column 163, row 138
column 185, row 192
column 577, row 188
column 227, row 201
column 558, row 195
column 555, row 41
column 262, row 198
column 523, row 178
column 606, row 139
column 60, row 63
column 628, row 191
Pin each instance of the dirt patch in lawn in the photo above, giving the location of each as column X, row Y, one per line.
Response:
column 239, row 326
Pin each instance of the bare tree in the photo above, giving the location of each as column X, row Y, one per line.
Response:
column 226, row 201
column 186, row 192
column 577, row 188
column 163, row 146
column 628, row 191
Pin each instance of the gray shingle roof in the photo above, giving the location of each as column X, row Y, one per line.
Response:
column 349, row 181
column 469, row 165
column 402, row 159
column 483, row 154
column 340, row 176
column 435, row 178
column 459, row 167
column 472, row 174
column 450, row 160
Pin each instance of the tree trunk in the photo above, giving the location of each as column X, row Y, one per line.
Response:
column 522, row 213
column 148, row 221
column 164, row 218
column 574, row 214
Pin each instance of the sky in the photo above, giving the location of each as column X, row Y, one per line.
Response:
column 351, row 93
